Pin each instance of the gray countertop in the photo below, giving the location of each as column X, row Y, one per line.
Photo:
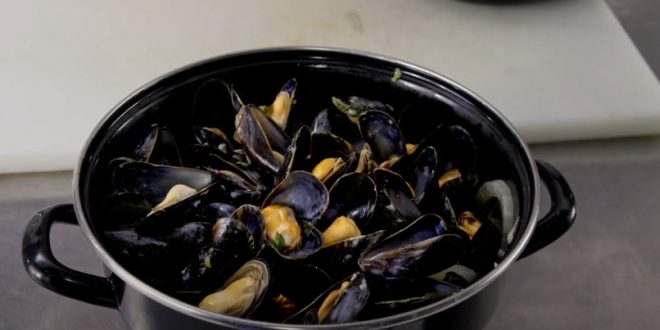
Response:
column 601, row 275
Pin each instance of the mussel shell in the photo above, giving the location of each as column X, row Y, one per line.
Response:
column 346, row 309
column 454, row 146
column 499, row 203
column 398, row 296
column 219, row 210
column 332, row 121
column 340, row 259
column 191, row 236
column 254, row 140
column 286, row 277
column 285, row 99
column 457, row 274
column 418, row 171
column 329, row 145
column 161, row 256
column 251, row 216
column 380, row 130
column 146, row 256
column 260, row 291
column 353, row 195
column 297, row 155
column 436, row 201
column 214, row 139
column 207, row 159
column 355, row 106
column 158, row 147
column 230, row 247
column 397, row 192
column 482, row 250
column 154, row 181
column 424, row 247
column 303, row 193
column 120, row 209
column 368, row 104
column 312, row 240
column 229, row 187
column 332, row 146
column 226, row 187
column 387, row 179
column 277, row 139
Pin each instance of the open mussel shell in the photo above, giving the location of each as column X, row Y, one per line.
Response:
column 380, row 130
column 484, row 244
column 242, row 292
column 303, row 193
column 285, row 295
column 341, row 259
column 311, row 241
column 418, row 170
column 162, row 255
column 121, row 209
column 254, row 140
column 219, row 210
column 454, row 146
column 397, row 192
column 333, row 121
column 158, row 147
column 424, row 247
column 231, row 245
column 214, row 139
column 280, row 109
column 353, row 195
column 204, row 158
column 342, row 302
column 329, row 157
column 355, row 106
column 230, row 187
column 499, row 202
column 398, row 296
column 297, row 155
column 155, row 181
column 146, row 256
column 251, row 217
column 457, row 274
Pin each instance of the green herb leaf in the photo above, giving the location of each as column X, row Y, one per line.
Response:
column 341, row 105
column 279, row 242
column 397, row 75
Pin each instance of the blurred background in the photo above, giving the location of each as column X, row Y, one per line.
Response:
column 577, row 78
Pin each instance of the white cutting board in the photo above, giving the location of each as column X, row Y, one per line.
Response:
column 557, row 69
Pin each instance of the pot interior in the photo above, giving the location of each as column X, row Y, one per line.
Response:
column 321, row 74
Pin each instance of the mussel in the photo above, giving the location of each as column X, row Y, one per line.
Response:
column 158, row 147
column 288, row 212
column 230, row 247
column 424, row 247
column 341, row 303
column 242, row 292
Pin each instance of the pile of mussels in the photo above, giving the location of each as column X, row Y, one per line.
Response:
column 343, row 221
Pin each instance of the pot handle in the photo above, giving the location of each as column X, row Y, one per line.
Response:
column 561, row 216
column 44, row 269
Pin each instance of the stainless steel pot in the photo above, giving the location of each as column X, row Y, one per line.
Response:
column 143, row 307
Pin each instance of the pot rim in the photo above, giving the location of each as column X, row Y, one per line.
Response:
column 389, row 321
